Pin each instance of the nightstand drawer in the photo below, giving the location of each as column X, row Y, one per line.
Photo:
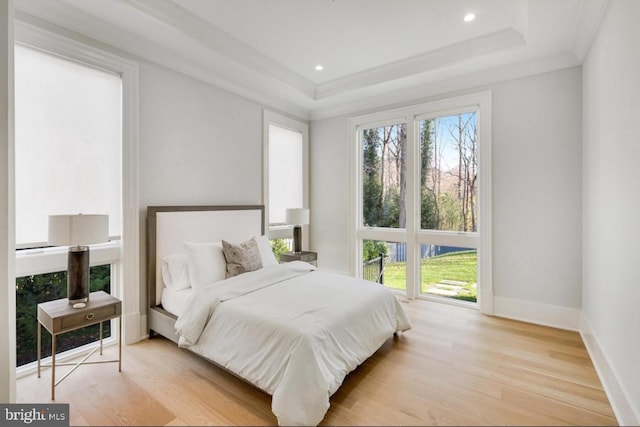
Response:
column 305, row 256
column 81, row 319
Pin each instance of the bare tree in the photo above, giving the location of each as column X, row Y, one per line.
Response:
column 396, row 137
column 402, row 211
column 464, row 135
column 383, row 159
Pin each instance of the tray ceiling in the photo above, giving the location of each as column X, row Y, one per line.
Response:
column 373, row 52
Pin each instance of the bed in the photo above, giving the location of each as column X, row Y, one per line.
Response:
column 292, row 330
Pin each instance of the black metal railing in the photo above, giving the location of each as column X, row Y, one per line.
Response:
column 373, row 270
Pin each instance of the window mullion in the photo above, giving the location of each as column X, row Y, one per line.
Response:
column 412, row 208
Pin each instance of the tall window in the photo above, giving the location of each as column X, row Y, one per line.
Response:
column 448, row 202
column 68, row 143
column 286, row 175
column 286, row 179
column 419, row 227
column 68, row 159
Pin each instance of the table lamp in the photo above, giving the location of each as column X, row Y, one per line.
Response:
column 77, row 232
column 297, row 217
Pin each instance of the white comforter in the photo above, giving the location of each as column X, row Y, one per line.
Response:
column 293, row 331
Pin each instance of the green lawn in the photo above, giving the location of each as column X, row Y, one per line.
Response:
column 458, row 270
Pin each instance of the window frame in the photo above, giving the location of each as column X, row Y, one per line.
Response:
column 413, row 235
column 271, row 118
column 124, row 276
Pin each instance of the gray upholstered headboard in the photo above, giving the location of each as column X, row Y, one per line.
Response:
column 168, row 227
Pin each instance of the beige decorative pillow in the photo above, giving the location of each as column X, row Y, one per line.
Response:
column 241, row 257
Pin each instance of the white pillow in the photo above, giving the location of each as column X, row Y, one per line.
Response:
column 206, row 263
column 266, row 253
column 175, row 272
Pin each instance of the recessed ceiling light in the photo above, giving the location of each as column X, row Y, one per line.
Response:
column 469, row 17
column 319, row 67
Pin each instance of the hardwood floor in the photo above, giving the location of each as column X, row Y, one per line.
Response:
column 455, row 367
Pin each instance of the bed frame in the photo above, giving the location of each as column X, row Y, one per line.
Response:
column 168, row 227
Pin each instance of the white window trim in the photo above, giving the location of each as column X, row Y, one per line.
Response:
column 126, row 280
column 269, row 118
column 412, row 235
column 49, row 260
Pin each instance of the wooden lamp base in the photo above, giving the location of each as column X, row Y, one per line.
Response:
column 78, row 276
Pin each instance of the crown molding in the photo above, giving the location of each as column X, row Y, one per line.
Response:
column 429, row 61
column 591, row 13
column 396, row 94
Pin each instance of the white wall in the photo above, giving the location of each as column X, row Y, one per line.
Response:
column 198, row 145
column 329, row 192
column 536, row 168
column 536, row 194
column 611, row 293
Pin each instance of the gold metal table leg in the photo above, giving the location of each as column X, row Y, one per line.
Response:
column 120, row 344
column 53, row 367
column 39, row 345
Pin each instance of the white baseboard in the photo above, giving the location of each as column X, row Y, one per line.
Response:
column 485, row 302
column 626, row 414
column 540, row 314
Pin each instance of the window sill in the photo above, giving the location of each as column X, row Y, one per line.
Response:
column 49, row 260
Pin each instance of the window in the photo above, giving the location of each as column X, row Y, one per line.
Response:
column 68, row 159
column 385, row 263
column 449, row 172
column 449, row 272
column 76, row 151
column 68, row 156
column 286, row 175
column 422, row 205
column 286, row 179
column 384, row 183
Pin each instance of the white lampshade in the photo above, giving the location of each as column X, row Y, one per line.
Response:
column 76, row 230
column 297, row 216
